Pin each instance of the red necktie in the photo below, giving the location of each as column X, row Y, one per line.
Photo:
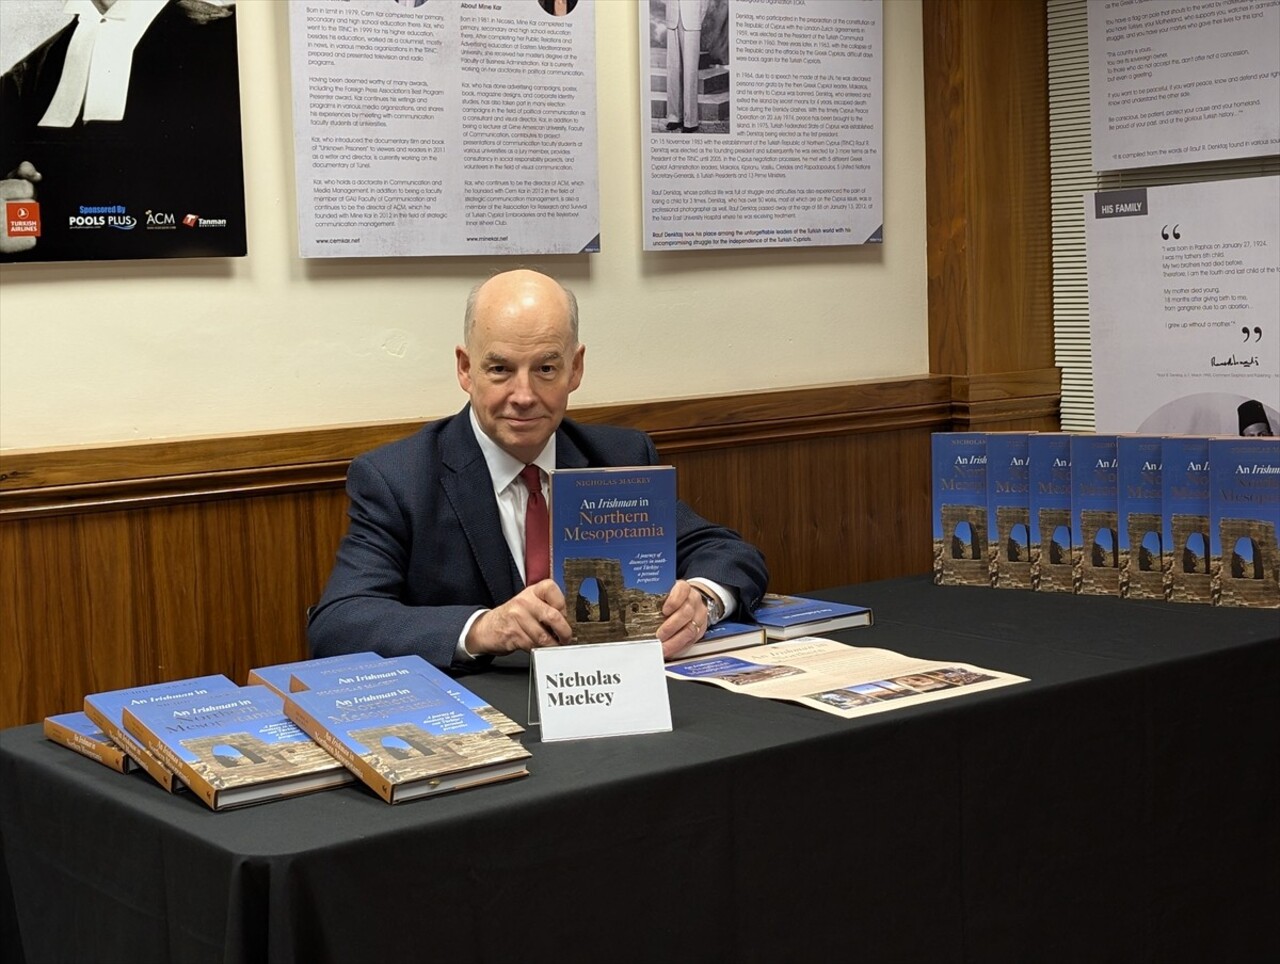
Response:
column 537, row 529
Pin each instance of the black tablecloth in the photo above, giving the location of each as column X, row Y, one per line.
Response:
column 1124, row 805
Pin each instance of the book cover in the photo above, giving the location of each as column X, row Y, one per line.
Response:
column 378, row 670
column 1244, row 516
column 613, row 548
column 406, row 738
column 1184, row 480
column 1008, row 510
column 1052, row 567
column 1139, row 498
column 234, row 747
column 786, row 617
column 724, row 636
column 1094, row 514
column 277, row 676
column 960, row 509
column 77, row 732
column 107, row 710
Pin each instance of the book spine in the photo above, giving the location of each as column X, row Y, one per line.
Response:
column 330, row 743
column 109, row 756
column 155, row 769
column 161, row 750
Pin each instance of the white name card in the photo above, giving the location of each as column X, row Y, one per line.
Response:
column 599, row 689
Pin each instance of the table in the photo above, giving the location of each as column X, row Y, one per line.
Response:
column 1122, row 806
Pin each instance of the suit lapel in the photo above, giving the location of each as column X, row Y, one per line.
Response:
column 469, row 488
column 568, row 455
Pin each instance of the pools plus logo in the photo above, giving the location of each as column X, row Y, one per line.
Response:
column 93, row 216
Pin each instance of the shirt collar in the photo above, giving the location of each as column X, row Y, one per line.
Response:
column 123, row 10
column 504, row 468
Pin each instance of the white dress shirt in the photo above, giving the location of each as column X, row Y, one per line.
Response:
column 95, row 75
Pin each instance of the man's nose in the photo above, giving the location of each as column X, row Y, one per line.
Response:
column 522, row 388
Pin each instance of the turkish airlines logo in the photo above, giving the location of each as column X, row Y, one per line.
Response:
column 22, row 219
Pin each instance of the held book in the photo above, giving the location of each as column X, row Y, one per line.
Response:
column 613, row 548
column 77, row 732
column 406, row 738
column 234, row 747
column 277, row 676
column 107, row 710
column 786, row 617
column 1139, row 529
column 378, row 670
column 960, row 509
column 1094, row 507
column 1244, row 512
column 1008, row 510
column 723, row 636
column 1052, row 566
column 1185, row 499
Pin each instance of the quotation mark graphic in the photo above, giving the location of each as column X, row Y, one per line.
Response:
column 1255, row 334
column 1164, row 232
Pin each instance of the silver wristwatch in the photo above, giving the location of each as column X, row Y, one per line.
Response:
column 715, row 608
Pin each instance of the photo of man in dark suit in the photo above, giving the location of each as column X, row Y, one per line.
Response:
column 120, row 134
column 433, row 559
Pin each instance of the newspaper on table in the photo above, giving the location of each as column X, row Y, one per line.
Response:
column 845, row 680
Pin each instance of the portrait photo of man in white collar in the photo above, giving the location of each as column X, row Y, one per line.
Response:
column 120, row 130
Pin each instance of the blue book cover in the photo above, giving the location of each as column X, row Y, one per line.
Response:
column 613, row 548
column 406, row 738
column 1184, row 480
column 77, row 732
column 726, row 635
column 1094, row 514
column 1244, row 515
column 1139, row 500
column 786, row 617
column 277, row 676
column 318, row 676
column 107, row 710
column 960, row 509
column 234, row 747
column 1008, row 510
column 1052, row 568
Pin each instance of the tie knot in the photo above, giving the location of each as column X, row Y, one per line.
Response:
column 532, row 479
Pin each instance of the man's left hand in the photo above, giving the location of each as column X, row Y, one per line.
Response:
column 686, row 621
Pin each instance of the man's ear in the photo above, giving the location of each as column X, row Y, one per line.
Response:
column 464, row 368
column 576, row 367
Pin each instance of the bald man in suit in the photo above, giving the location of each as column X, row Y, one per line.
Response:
column 433, row 561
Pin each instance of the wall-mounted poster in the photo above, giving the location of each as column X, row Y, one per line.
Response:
column 120, row 130
column 444, row 128
column 1184, row 293
column 760, row 123
column 1180, row 81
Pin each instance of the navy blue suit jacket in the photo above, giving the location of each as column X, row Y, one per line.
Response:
column 425, row 549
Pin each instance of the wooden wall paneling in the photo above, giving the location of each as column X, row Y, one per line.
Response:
column 112, row 582
column 826, row 511
column 988, row 209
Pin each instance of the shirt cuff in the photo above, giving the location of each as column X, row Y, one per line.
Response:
column 460, row 654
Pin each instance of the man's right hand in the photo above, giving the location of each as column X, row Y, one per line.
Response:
column 19, row 185
column 536, row 617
